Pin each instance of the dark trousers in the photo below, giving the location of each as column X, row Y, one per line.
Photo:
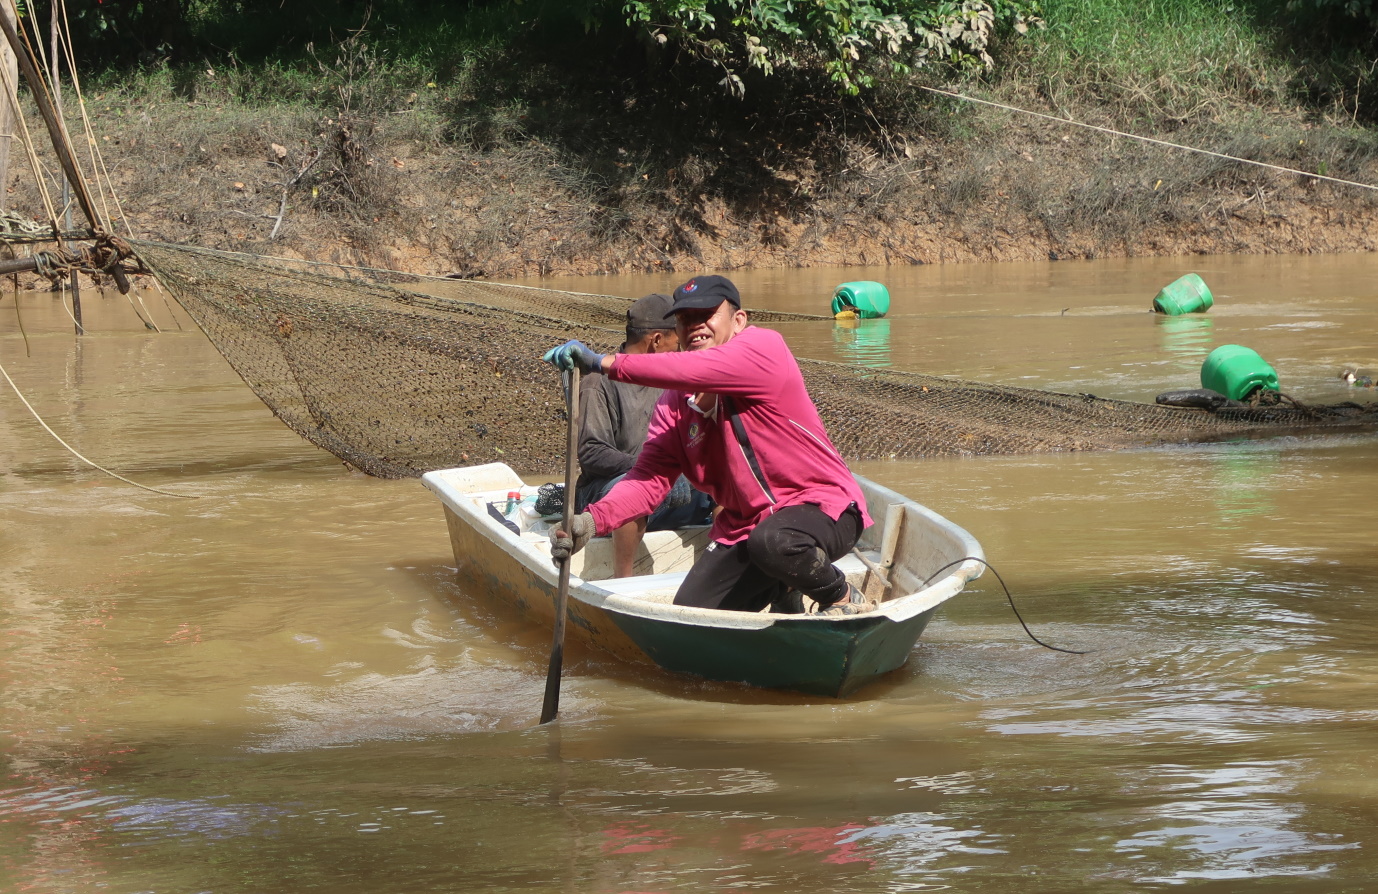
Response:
column 790, row 550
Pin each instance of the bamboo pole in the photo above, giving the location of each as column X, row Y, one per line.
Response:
column 56, row 132
column 55, row 32
column 8, row 106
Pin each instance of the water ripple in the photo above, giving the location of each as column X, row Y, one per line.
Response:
column 1227, row 822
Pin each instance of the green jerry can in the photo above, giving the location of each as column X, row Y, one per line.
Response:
column 1185, row 295
column 1235, row 371
column 871, row 299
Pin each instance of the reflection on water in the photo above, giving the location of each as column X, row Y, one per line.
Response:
column 863, row 342
column 1235, row 820
column 1191, row 335
column 150, row 818
column 1240, row 483
column 279, row 686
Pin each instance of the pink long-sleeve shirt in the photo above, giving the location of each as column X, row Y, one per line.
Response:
column 794, row 461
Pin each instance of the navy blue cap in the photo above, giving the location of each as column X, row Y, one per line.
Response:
column 703, row 293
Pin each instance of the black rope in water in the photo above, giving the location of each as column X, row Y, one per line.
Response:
column 935, row 575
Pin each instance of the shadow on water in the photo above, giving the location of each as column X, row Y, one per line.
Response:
column 1270, row 600
column 171, row 473
column 528, row 647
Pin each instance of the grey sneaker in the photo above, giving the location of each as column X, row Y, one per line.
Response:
column 854, row 603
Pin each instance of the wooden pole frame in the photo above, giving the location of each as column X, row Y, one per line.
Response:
column 9, row 106
column 56, row 131
column 55, row 59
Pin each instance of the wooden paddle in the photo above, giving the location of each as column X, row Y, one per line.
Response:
column 550, row 708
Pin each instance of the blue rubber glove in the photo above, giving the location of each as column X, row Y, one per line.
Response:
column 573, row 354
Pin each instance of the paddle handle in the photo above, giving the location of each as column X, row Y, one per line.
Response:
column 550, row 707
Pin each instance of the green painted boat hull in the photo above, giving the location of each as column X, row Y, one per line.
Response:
column 832, row 658
column 930, row 561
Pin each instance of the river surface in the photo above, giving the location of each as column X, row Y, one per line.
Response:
column 277, row 686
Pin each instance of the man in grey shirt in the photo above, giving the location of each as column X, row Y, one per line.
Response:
column 613, row 420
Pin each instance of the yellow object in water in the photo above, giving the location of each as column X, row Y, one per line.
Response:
column 845, row 315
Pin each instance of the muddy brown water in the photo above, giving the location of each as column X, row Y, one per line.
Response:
column 278, row 686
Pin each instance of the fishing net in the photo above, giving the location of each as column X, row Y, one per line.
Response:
column 396, row 382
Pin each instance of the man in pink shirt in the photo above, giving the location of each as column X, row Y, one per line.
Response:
column 737, row 421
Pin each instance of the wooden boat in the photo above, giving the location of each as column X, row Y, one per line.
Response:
column 635, row 618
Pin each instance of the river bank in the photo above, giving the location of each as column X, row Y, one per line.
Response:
column 531, row 165
column 1013, row 188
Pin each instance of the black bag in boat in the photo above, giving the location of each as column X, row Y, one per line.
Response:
column 550, row 499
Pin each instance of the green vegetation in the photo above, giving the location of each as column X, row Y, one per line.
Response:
column 1159, row 58
column 842, row 37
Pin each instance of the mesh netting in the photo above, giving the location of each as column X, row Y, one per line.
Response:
column 398, row 383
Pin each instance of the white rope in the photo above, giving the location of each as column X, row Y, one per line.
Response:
column 402, row 273
column 62, row 286
column 159, row 287
column 1131, row 136
column 73, row 451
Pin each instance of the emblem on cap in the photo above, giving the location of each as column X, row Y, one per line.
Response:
column 690, row 286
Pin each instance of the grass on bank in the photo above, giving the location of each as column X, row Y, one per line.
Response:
column 1157, row 63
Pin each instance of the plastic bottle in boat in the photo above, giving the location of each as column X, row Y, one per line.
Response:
column 869, row 300
column 1236, row 371
column 1185, row 295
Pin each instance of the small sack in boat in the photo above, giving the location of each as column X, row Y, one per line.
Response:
column 550, row 499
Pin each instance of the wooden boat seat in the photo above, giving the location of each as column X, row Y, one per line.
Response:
column 660, row 552
column 661, row 588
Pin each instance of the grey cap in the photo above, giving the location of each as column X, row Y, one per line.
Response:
column 650, row 312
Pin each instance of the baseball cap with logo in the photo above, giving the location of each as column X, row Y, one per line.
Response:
column 703, row 293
